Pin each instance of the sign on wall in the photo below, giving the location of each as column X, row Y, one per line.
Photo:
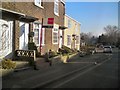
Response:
column 50, row 21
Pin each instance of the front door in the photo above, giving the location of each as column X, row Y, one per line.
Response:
column 6, row 29
column 23, row 40
column 60, row 39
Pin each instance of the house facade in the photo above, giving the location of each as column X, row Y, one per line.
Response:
column 35, row 21
column 72, row 33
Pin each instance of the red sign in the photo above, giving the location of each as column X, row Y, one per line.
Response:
column 50, row 21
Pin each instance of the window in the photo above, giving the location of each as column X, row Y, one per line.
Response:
column 77, row 39
column 37, row 34
column 69, row 24
column 39, row 3
column 56, row 7
column 6, row 34
column 55, row 36
column 68, row 40
column 76, row 27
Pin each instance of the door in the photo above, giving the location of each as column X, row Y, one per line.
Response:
column 60, row 39
column 23, row 40
column 6, row 29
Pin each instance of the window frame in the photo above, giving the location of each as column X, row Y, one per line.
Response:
column 38, row 4
column 77, row 40
column 39, row 33
column 68, row 43
column 54, row 31
column 56, row 5
column 69, row 23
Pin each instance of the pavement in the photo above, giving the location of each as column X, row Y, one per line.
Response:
column 31, row 78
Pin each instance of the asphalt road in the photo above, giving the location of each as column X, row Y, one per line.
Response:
column 79, row 72
column 102, row 75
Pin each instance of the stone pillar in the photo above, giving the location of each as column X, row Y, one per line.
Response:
column 30, row 30
column 16, row 32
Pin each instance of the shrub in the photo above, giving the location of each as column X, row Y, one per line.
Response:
column 8, row 64
column 65, row 50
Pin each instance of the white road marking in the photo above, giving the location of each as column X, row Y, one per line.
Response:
column 80, row 62
column 80, row 74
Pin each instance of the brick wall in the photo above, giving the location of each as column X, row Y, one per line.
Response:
column 28, row 8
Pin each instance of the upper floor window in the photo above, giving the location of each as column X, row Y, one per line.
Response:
column 76, row 27
column 69, row 24
column 56, row 7
column 39, row 3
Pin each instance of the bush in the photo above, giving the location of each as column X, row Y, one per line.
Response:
column 8, row 64
column 65, row 50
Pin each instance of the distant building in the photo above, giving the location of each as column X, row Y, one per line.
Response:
column 72, row 33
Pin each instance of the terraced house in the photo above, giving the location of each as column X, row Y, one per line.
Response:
column 35, row 21
column 72, row 33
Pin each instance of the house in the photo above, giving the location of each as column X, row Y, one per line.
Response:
column 35, row 21
column 72, row 33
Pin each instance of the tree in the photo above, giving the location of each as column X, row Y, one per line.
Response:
column 88, row 38
column 111, row 32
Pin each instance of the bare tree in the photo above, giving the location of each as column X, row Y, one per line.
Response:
column 88, row 38
column 112, row 34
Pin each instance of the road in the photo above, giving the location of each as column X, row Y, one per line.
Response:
column 102, row 75
column 79, row 72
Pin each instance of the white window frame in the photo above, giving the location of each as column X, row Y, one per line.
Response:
column 43, row 36
column 39, row 29
column 69, row 23
column 68, row 43
column 56, row 5
column 39, row 4
column 77, row 37
column 54, row 31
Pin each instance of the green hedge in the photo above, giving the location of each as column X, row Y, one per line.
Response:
column 65, row 50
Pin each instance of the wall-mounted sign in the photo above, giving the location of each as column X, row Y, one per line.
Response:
column 50, row 21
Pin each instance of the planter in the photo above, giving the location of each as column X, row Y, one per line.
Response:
column 5, row 72
column 64, row 58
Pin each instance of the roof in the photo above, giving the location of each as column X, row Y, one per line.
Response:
column 72, row 18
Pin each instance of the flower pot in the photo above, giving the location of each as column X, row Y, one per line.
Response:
column 64, row 59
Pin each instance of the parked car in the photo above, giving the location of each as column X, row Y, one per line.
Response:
column 107, row 49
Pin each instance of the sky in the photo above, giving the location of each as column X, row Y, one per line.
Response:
column 93, row 16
